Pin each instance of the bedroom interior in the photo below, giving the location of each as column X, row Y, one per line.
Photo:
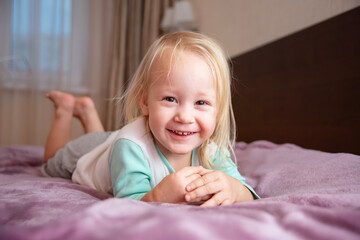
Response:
column 296, row 102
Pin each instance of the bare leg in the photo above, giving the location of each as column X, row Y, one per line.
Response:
column 60, row 132
column 67, row 107
column 86, row 112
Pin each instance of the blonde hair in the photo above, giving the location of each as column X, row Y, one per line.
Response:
column 224, row 133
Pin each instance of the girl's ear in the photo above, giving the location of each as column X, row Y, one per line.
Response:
column 144, row 104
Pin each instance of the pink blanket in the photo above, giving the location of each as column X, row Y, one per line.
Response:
column 306, row 194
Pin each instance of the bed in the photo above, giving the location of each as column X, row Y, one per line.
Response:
column 306, row 194
column 310, row 188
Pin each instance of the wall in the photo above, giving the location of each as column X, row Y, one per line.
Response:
column 304, row 88
column 242, row 25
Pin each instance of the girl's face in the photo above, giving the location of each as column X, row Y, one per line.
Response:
column 182, row 108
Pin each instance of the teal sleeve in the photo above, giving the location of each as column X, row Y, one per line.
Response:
column 229, row 167
column 130, row 172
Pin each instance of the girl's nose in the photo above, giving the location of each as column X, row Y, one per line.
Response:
column 185, row 114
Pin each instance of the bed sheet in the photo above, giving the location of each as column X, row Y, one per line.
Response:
column 306, row 194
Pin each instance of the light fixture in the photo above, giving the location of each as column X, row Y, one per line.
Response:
column 178, row 18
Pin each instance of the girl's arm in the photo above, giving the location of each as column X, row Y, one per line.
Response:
column 130, row 173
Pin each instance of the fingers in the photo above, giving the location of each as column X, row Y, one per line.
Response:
column 216, row 200
column 192, row 178
column 206, row 178
column 199, row 199
column 226, row 202
column 202, row 191
column 205, row 171
column 212, row 187
column 187, row 171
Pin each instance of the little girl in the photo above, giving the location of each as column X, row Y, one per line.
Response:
column 174, row 147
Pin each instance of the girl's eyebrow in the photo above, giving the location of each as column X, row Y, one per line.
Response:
column 206, row 94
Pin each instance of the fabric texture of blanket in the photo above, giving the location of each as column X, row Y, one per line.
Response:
column 306, row 194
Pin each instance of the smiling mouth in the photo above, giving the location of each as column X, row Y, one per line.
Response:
column 180, row 133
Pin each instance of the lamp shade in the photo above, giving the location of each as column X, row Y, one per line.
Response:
column 183, row 13
column 168, row 19
column 180, row 17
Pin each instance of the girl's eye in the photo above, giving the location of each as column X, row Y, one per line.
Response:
column 170, row 99
column 201, row 102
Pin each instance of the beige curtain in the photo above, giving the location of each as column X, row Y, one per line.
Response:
column 44, row 46
column 107, row 41
column 136, row 26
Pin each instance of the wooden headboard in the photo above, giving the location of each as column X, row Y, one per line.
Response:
column 304, row 88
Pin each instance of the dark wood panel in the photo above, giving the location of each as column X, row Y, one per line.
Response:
column 304, row 88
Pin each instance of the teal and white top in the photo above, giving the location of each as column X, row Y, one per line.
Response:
column 129, row 163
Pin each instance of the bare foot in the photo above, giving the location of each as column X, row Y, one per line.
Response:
column 60, row 131
column 63, row 102
column 85, row 111
column 84, row 107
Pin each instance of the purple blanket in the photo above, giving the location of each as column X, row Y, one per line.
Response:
column 306, row 194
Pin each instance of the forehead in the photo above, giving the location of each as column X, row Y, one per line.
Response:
column 171, row 61
column 187, row 74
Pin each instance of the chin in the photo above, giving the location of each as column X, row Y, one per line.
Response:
column 183, row 151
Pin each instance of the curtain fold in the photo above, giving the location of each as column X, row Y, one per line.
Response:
column 136, row 26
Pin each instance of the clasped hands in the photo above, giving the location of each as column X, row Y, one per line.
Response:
column 194, row 185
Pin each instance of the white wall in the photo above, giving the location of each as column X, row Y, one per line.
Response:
column 242, row 25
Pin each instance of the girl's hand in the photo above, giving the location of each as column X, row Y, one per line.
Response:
column 224, row 189
column 172, row 188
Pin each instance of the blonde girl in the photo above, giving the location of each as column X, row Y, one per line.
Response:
column 180, row 126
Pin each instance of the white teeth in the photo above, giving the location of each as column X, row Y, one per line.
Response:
column 181, row 133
